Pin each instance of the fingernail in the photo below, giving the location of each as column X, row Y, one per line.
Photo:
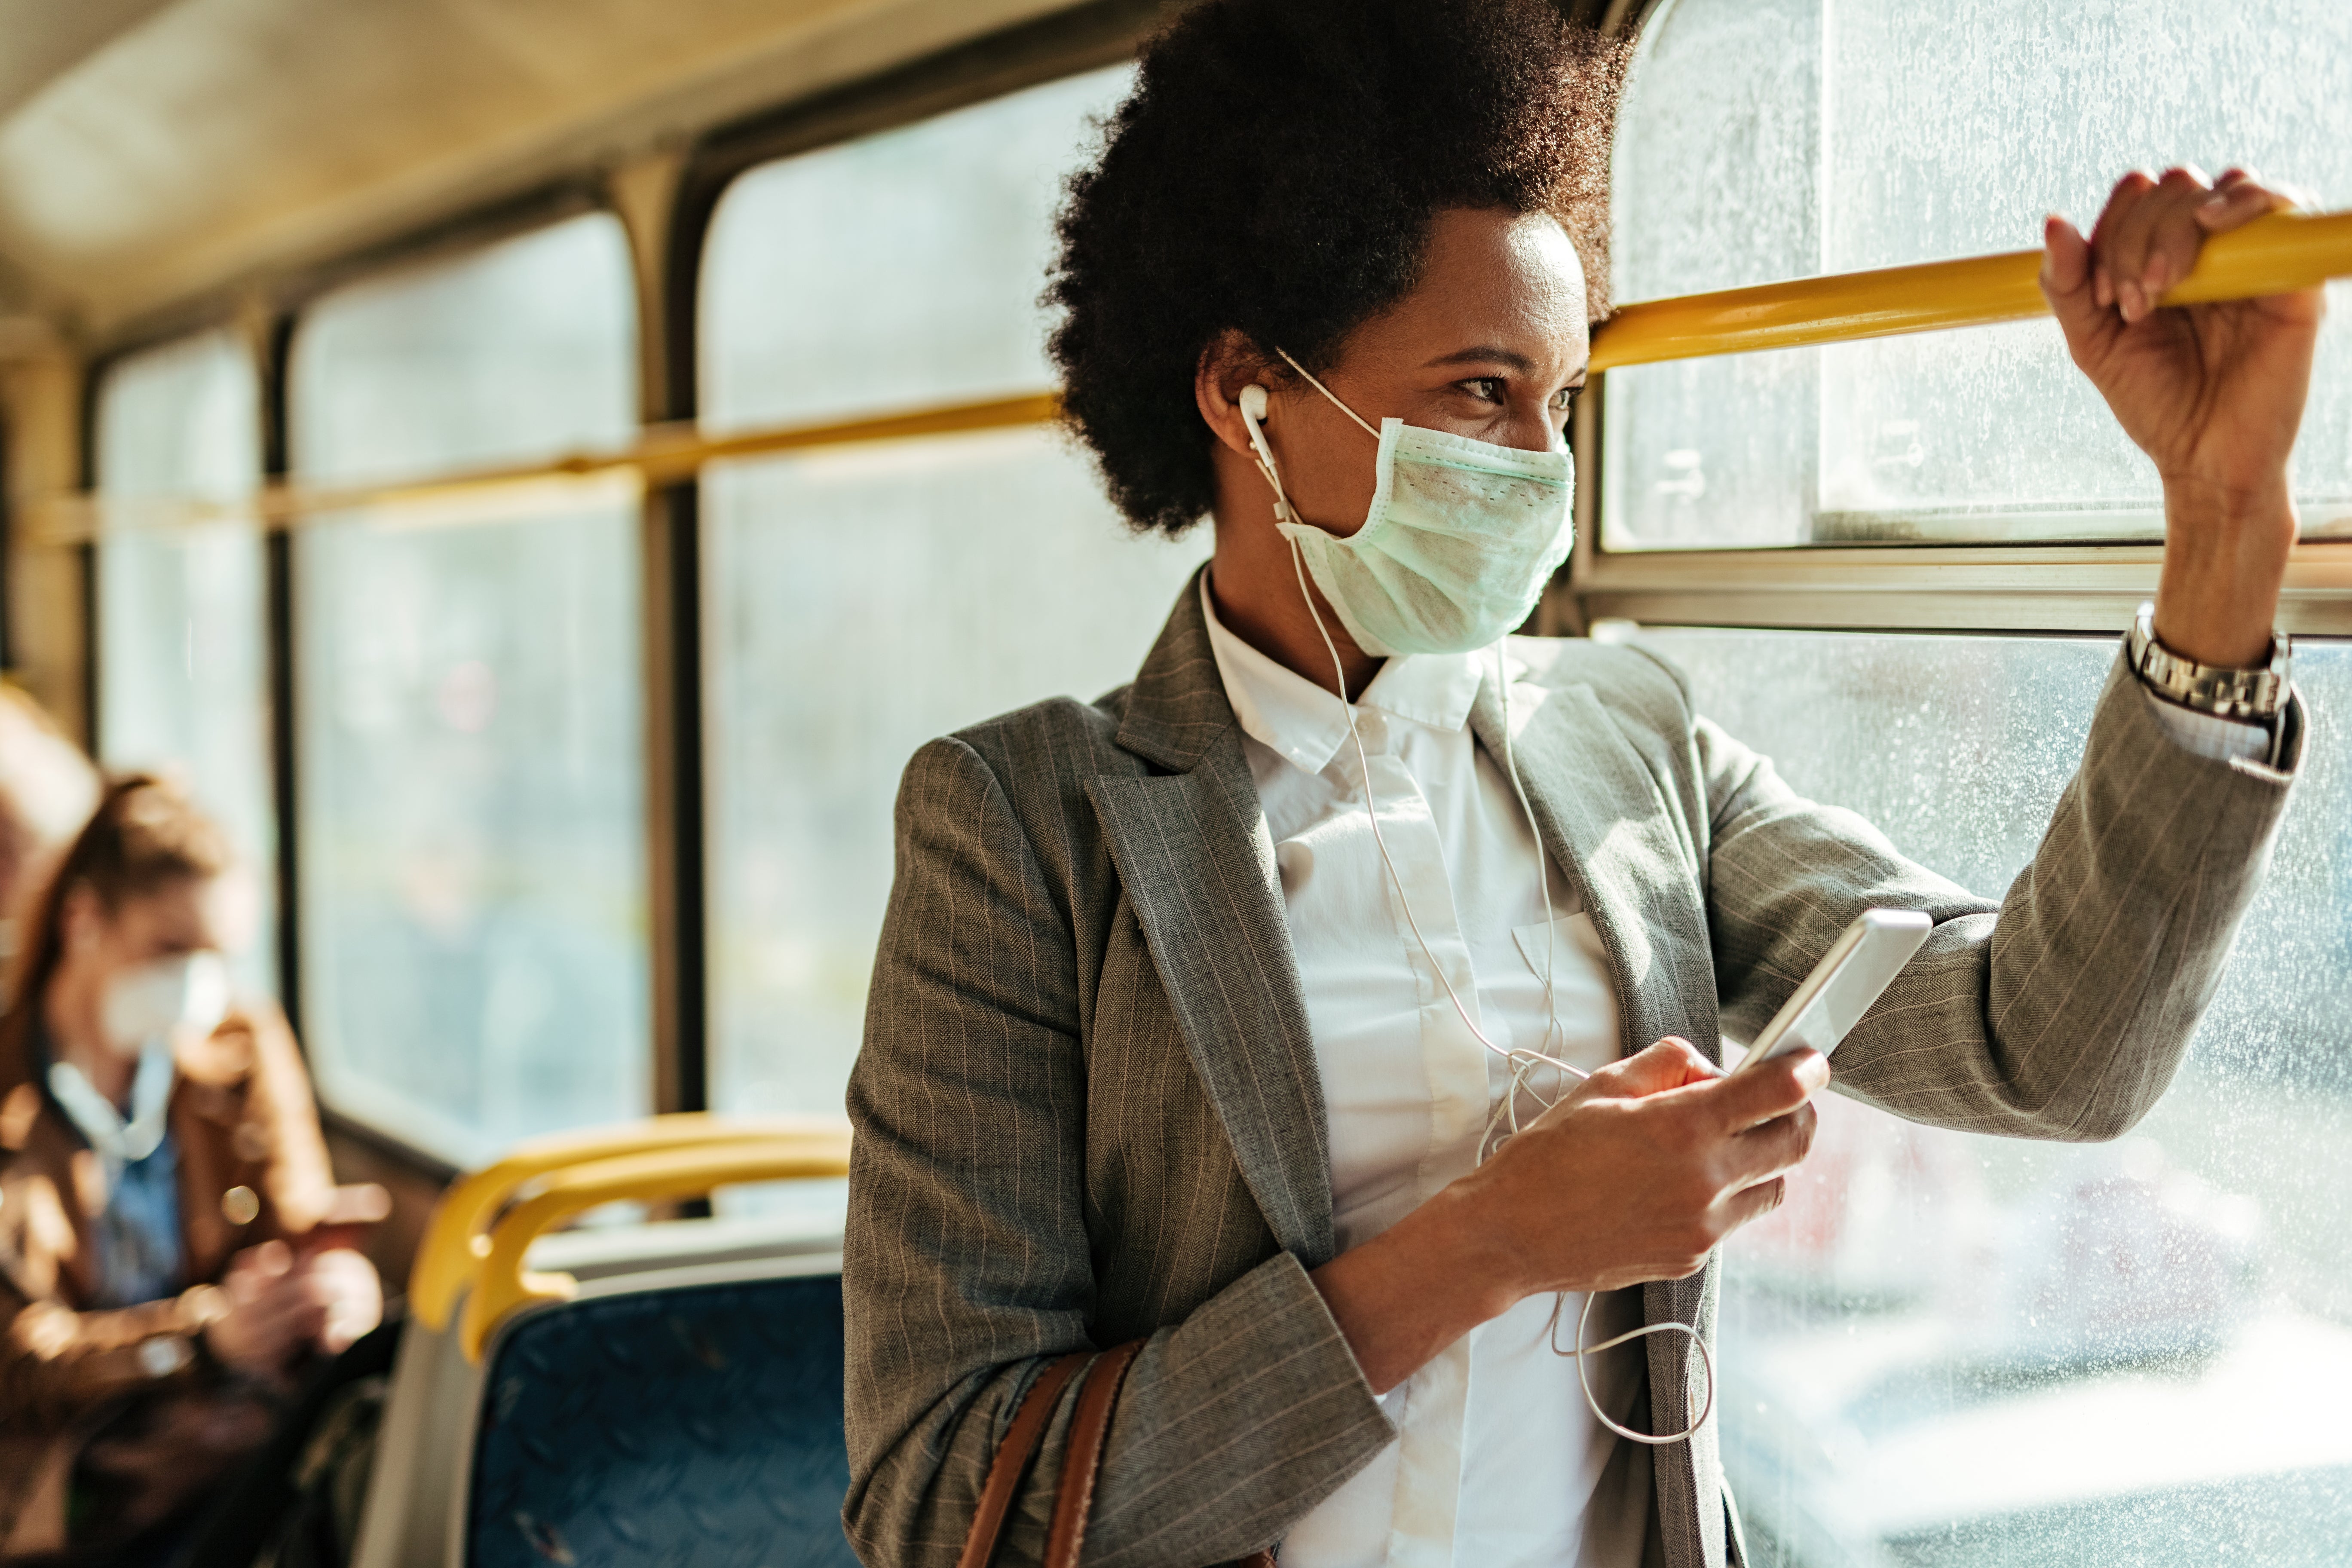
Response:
column 2126, row 297
column 2160, row 271
column 2103, row 288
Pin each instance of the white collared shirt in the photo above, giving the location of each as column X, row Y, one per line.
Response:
column 1497, row 1454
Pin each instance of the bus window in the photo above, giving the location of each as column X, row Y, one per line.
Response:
column 861, row 601
column 1947, row 1348
column 1768, row 139
column 1950, row 1349
column 473, row 887
column 183, row 671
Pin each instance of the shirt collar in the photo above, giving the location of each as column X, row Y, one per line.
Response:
column 115, row 1139
column 1304, row 724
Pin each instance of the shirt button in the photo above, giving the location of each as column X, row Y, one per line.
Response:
column 239, row 1205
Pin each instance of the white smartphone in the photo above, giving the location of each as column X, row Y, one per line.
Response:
column 1863, row 962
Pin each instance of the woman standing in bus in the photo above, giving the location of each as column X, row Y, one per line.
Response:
column 1203, row 1012
column 173, row 1249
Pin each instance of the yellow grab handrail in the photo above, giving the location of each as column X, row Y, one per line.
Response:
column 2272, row 255
column 661, row 455
column 456, row 1238
column 505, row 1286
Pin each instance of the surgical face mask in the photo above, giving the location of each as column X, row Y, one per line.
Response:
column 1461, row 538
column 155, row 1001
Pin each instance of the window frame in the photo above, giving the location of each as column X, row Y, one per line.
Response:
column 1927, row 586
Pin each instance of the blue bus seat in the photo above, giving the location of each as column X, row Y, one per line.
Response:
column 665, row 1423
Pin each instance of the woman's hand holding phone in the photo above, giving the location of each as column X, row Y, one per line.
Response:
column 1672, row 1155
column 1636, row 1175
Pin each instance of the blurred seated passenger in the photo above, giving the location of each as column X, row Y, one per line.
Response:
column 174, row 1254
column 47, row 788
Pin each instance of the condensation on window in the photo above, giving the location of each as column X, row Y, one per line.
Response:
column 469, row 730
column 1953, row 1349
column 1884, row 133
column 864, row 600
column 182, row 666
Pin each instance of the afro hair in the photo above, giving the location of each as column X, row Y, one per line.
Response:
column 1275, row 170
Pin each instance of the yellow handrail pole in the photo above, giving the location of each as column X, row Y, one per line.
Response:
column 658, row 1177
column 661, row 455
column 2273, row 255
column 456, row 1239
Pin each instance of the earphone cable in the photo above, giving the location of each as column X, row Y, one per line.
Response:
column 1522, row 1061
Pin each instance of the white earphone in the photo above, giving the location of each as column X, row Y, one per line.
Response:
column 1253, row 407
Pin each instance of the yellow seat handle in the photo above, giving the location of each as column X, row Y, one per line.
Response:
column 2276, row 254
column 457, row 1237
column 505, row 1287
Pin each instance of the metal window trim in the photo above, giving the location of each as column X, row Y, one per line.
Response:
column 1959, row 587
column 272, row 345
column 648, row 197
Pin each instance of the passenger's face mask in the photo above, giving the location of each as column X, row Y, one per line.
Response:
column 1461, row 538
column 153, row 1002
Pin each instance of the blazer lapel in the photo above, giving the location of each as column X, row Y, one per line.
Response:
column 1605, row 822
column 1194, row 854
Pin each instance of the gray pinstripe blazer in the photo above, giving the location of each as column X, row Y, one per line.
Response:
column 1088, row 1107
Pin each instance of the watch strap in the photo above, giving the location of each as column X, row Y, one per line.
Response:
column 2255, row 696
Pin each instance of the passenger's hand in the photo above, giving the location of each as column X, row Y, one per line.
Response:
column 344, row 1282
column 2213, row 393
column 1664, row 1156
column 1635, row 1176
column 282, row 1305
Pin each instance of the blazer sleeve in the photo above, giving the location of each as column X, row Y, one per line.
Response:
column 967, row 1264
column 57, row 1365
column 2063, row 1011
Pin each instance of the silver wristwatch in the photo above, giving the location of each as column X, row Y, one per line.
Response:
column 2256, row 696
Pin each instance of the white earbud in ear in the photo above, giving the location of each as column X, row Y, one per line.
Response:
column 1253, row 407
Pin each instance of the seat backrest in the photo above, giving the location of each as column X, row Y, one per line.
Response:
column 447, row 1410
column 411, row 1519
column 655, row 1422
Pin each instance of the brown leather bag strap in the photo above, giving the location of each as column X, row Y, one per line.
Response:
column 1104, row 1374
column 1082, row 1456
column 1012, row 1457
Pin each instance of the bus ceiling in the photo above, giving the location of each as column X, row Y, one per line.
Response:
column 153, row 152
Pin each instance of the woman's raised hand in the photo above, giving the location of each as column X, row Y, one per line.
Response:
column 2213, row 393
